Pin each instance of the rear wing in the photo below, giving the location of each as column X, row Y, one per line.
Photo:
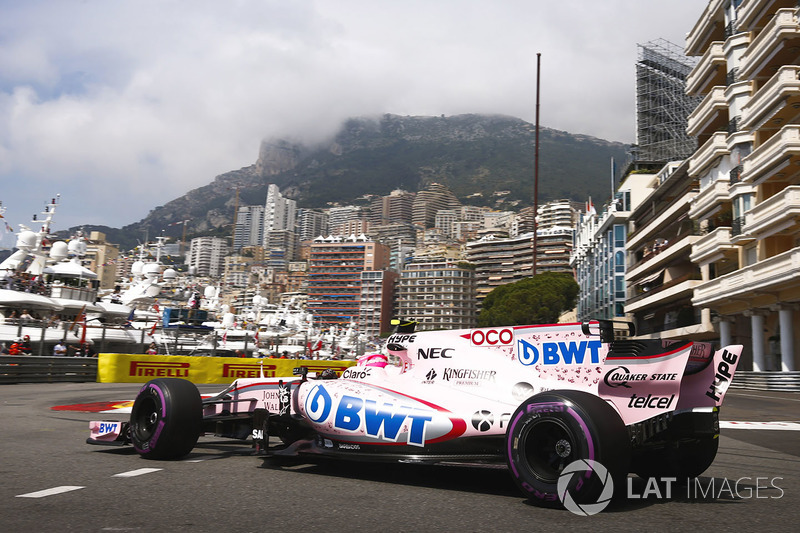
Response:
column 608, row 330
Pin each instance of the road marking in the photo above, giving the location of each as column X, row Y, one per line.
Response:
column 138, row 472
column 49, row 492
column 784, row 426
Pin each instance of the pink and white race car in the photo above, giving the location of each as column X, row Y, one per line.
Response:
column 537, row 398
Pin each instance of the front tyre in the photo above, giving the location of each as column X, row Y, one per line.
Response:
column 554, row 429
column 166, row 418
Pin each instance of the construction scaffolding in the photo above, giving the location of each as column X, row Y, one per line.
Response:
column 662, row 106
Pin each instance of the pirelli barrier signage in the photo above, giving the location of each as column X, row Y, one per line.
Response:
column 134, row 368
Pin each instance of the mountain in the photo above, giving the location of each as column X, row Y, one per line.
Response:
column 474, row 155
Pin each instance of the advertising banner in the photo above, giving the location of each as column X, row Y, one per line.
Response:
column 139, row 368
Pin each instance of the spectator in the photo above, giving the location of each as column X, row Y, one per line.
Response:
column 25, row 316
column 25, row 347
column 54, row 321
column 3, row 349
column 59, row 349
column 89, row 351
column 152, row 349
column 14, row 349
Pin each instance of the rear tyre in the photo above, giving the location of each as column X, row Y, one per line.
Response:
column 166, row 419
column 554, row 429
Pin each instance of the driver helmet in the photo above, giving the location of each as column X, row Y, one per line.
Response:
column 376, row 359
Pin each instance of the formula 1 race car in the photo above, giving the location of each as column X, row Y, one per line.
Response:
column 537, row 398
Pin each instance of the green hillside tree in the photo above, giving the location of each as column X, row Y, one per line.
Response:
column 536, row 300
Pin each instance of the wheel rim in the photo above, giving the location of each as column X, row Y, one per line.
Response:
column 549, row 446
column 146, row 418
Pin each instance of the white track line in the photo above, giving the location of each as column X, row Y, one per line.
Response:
column 49, row 492
column 783, row 426
column 139, row 472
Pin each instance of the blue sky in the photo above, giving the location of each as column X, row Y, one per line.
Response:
column 123, row 105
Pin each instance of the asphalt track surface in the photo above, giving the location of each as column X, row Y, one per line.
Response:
column 53, row 481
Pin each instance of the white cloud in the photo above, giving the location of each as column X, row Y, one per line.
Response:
column 121, row 106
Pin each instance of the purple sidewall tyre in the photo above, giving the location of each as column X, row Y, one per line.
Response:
column 166, row 419
column 553, row 429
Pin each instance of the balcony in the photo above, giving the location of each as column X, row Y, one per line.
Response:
column 775, row 104
column 709, row 72
column 775, row 214
column 660, row 258
column 712, row 246
column 710, row 26
column 710, row 116
column 709, row 198
column 774, row 158
column 773, row 47
column 753, row 15
column 676, row 289
column 653, row 227
column 774, row 275
column 706, row 155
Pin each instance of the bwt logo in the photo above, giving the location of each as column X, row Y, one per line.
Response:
column 152, row 369
column 353, row 414
column 492, row 337
column 553, row 353
column 234, row 371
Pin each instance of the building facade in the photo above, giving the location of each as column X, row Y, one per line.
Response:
column 206, row 256
column 598, row 257
column 376, row 309
column 747, row 166
column 439, row 294
column 334, row 277
column 102, row 257
column 249, row 229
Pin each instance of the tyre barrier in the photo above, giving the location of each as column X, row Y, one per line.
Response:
column 776, row 381
column 36, row 369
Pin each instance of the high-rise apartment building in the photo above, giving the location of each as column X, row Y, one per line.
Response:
column 207, row 256
column 748, row 202
column 281, row 249
column 102, row 257
column 598, row 256
column 499, row 261
column 249, row 229
column 279, row 212
column 311, row 224
column 440, row 294
column 429, row 201
column 377, row 302
column 339, row 216
column 396, row 207
column 334, row 276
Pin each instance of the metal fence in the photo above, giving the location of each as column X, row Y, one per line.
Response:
column 777, row 381
column 35, row 369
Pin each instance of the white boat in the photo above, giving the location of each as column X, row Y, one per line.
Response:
column 49, row 296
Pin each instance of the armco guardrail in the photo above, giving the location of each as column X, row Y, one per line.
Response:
column 36, row 369
column 777, row 381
